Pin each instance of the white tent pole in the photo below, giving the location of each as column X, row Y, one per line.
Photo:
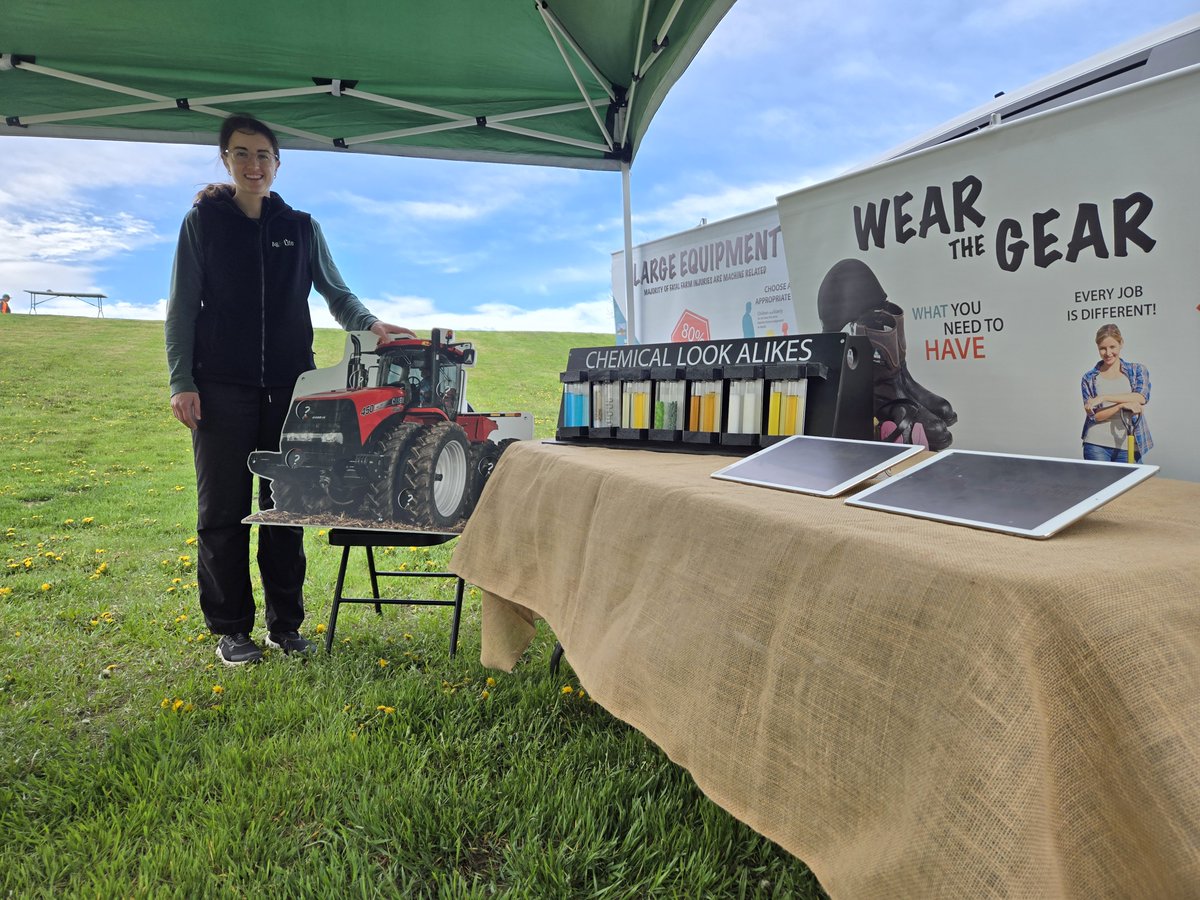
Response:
column 630, row 318
column 543, row 136
column 669, row 21
column 636, row 74
column 579, row 86
column 550, row 18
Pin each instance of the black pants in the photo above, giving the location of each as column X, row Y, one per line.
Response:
column 236, row 420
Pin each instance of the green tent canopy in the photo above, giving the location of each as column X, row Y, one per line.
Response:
column 554, row 82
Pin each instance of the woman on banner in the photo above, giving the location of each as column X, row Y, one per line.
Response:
column 238, row 334
column 1115, row 394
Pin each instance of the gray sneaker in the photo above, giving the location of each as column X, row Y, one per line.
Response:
column 289, row 642
column 238, row 649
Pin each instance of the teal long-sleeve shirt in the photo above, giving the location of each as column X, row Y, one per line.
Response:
column 187, row 285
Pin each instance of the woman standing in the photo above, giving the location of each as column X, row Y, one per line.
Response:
column 1115, row 394
column 238, row 334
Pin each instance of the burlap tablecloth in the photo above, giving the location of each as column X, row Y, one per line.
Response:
column 915, row 709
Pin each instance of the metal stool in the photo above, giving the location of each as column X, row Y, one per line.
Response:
column 344, row 538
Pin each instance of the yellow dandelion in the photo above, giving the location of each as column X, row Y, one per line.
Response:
column 321, row 532
column 166, row 701
column 407, row 636
column 386, row 710
column 346, row 708
column 177, row 705
column 217, row 689
column 191, row 542
column 101, row 550
column 176, row 581
column 112, row 666
column 382, row 663
column 567, row 689
column 484, row 694
column 68, row 521
column 88, row 520
column 582, row 693
column 202, row 637
column 95, row 622
column 5, row 591
column 102, row 568
column 321, row 628
column 179, row 487
column 491, row 682
column 27, row 562
column 45, row 586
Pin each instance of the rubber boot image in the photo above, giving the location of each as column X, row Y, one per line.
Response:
column 937, row 405
column 902, row 418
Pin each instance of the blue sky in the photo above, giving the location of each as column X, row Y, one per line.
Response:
column 784, row 94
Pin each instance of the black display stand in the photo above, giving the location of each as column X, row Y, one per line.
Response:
column 346, row 538
column 616, row 394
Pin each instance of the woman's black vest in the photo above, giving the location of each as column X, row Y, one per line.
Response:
column 254, row 326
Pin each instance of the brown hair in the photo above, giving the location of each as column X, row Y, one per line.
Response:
column 234, row 123
column 1109, row 331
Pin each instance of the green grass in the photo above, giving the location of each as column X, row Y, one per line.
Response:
column 132, row 764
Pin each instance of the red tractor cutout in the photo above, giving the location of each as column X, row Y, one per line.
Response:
column 396, row 445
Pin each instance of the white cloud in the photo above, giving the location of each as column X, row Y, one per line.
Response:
column 1019, row 12
column 723, row 202
column 421, row 314
column 111, row 309
column 755, row 27
column 549, row 281
column 53, row 231
column 478, row 192
column 56, row 171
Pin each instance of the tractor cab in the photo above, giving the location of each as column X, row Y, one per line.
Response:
column 427, row 374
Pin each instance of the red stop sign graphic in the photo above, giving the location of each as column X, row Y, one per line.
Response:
column 690, row 327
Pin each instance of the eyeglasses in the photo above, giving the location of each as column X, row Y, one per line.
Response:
column 242, row 156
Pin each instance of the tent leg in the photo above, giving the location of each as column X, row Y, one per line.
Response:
column 630, row 316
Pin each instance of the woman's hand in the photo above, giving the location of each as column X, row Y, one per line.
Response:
column 382, row 330
column 186, row 408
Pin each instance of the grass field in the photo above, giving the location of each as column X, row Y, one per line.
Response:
column 133, row 764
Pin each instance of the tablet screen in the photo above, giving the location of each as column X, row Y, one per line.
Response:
column 816, row 465
column 1032, row 496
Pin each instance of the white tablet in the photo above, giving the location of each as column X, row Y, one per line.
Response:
column 816, row 465
column 1031, row 496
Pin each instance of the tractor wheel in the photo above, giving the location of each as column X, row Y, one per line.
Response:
column 287, row 495
column 484, row 456
column 437, row 481
column 382, row 502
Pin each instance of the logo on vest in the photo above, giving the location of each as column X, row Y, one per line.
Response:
column 286, row 243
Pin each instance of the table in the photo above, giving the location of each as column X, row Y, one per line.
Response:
column 915, row 709
column 96, row 300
